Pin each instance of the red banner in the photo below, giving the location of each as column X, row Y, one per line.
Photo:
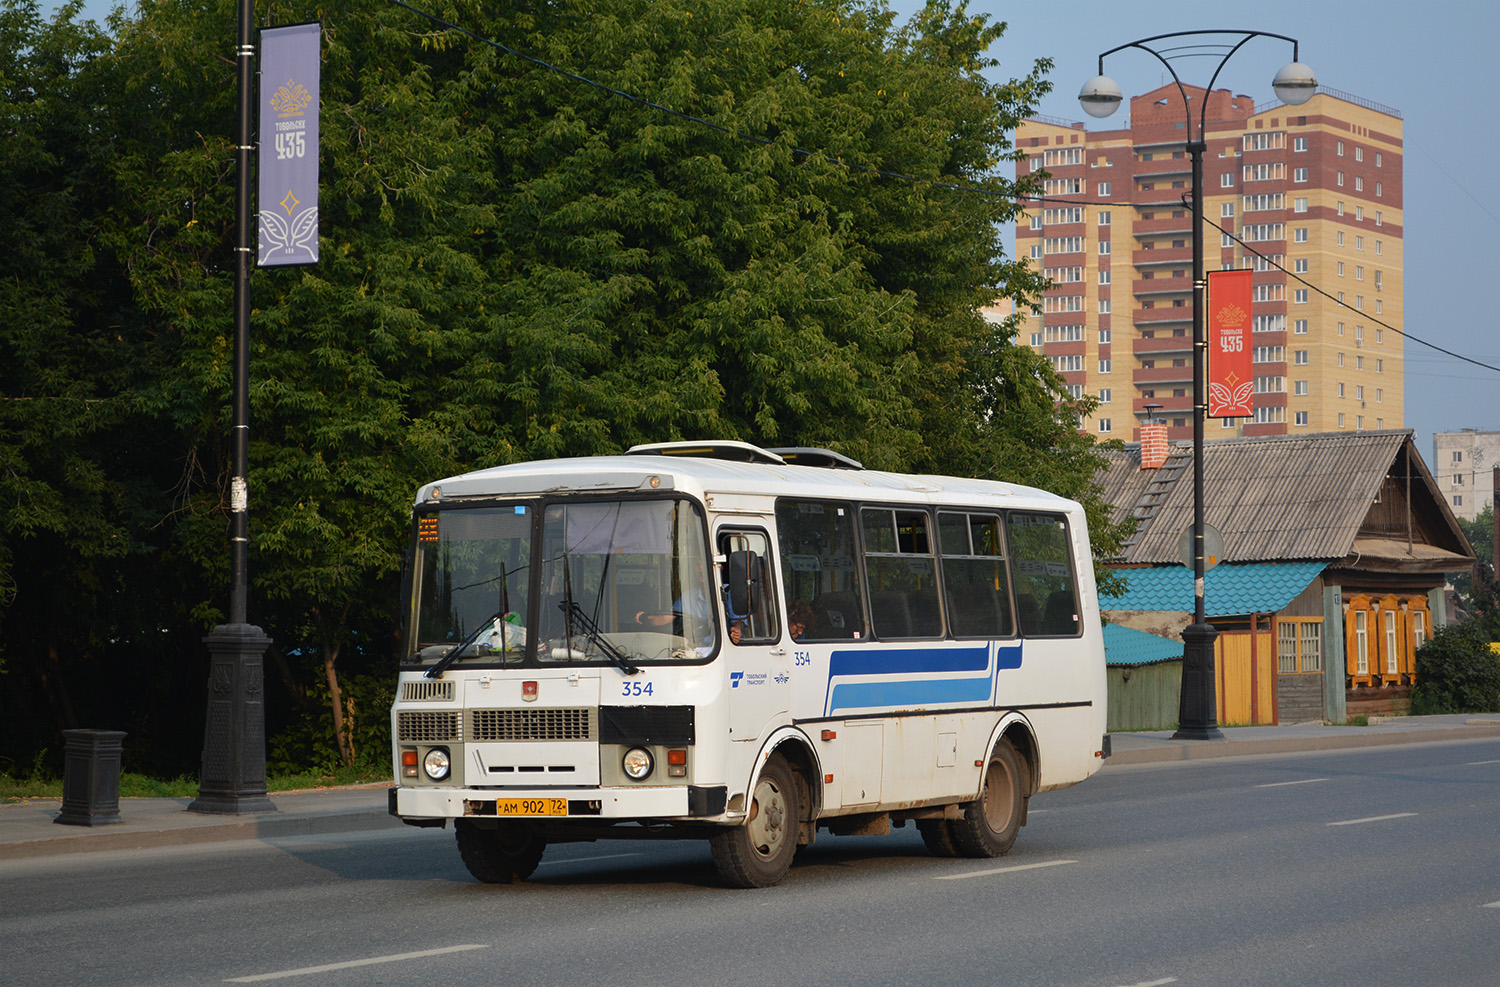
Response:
column 1231, row 375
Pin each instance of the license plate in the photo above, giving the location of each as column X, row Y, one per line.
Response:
column 531, row 807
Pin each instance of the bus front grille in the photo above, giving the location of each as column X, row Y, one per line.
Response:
column 427, row 692
column 422, row 726
column 531, row 724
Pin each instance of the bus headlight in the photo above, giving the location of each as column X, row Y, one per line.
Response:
column 436, row 764
column 637, row 763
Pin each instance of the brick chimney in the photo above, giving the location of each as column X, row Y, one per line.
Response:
column 1153, row 444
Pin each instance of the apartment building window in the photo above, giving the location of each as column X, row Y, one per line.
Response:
column 1036, row 222
column 1269, row 354
column 1340, row 238
column 1299, row 143
column 1379, row 248
column 1379, row 284
column 1359, row 303
column 1341, row 389
column 1299, row 357
column 1226, row 210
column 1380, row 366
column 1299, row 327
column 1104, row 218
column 1036, row 340
column 1377, row 159
column 1341, row 329
column 1339, row 180
column 1301, row 418
column 1359, row 392
column 1299, row 174
column 1359, row 153
column 1359, row 423
column 1071, row 214
column 1359, row 272
column 1299, row 235
column 1377, row 190
column 1299, row 204
column 1359, row 243
column 1299, row 388
column 1105, row 424
column 1379, row 336
column 1104, row 188
column 1458, row 500
column 1359, row 214
column 1458, row 479
column 1359, row 183
column 1268, row 416
column 1104, row 335
column 1104, row 277
column 1341, row 297
column 1226, row 180
column 1338, row 207
column 1379, row 395
column 1063, row 275
column 1341, row 268
column 1104, row 366
column 1036, row 251
column 1359, row 363
column 1341, row 149
column 1299, row 296
column 1341, row 419
column 1104, row 307
column 1341, row 359
column 1299, row 266
column 1377, row 217
column 1270, row 385
column 1106, row 395
column 1103, row 248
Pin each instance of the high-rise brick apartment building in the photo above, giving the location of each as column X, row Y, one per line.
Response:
column 1316, row 188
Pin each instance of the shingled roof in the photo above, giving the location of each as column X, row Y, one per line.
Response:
column 1280, row 498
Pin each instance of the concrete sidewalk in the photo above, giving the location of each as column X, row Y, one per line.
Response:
column 27, row 829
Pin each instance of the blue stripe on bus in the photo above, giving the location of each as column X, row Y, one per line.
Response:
column 869, row 660
column 1008, row 656
column 869, row 695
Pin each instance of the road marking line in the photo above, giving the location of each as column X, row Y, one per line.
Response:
column 579, row 860
column 1154, row 983
column 1493, row 904
column 1475, row 763
column 350, row 964
column 1356, row 822
column 1002, row 870
column 1280, row 784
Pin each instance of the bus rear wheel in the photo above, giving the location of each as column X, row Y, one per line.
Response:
column 989, row 824
column 505, row 854
column 759, row 853
column 938, row 835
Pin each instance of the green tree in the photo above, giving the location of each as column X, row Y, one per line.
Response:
column 791, row 246
column 1481, row 535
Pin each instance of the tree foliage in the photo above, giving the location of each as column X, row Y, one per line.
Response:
column 753, row 219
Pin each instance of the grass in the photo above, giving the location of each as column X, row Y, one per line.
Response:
column 39, row 785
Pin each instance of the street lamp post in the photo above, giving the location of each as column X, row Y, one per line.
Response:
column 1101, row 96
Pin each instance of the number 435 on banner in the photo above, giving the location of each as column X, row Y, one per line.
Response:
column 1231, row 374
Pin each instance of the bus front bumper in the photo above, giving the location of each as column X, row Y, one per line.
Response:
column 558, row 804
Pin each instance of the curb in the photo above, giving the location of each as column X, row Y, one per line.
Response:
column 256, row 828
column 1197, row 750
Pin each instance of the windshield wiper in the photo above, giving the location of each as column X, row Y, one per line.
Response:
column 575, row 613
column 452, row 654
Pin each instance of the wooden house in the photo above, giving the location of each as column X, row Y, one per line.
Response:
column 1336, row 546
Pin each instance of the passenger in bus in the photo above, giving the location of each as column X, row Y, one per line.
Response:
column 797, row 618
column 736, row 631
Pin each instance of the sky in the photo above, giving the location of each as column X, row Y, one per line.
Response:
column 1433, row 61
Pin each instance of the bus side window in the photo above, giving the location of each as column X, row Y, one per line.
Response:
column 820, row 568
column 975, row 582
column 1041, row 564
column 901, row 572
column 748, row 557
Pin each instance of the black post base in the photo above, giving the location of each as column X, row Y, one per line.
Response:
column 1197, row 717
column 234, row 737
column 91, row 778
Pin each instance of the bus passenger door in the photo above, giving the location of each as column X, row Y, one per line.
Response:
column 759, row 662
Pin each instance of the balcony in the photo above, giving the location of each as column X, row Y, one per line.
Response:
column 1166, row 406
column 1157, row 256
column 1161, row 344
column 1151, row 318
column 1169, row 168
column 1161, row 286
column 1163, row 375
column 1163, row 226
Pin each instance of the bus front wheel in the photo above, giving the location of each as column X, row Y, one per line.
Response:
column 503, row 854
column 989, row 824
column 759, row 853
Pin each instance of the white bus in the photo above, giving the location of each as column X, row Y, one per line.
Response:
column 719, row 641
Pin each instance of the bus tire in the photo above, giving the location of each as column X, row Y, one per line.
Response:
column 759, row 853
column 989, row 824
column 504, row 854
column 938, row 835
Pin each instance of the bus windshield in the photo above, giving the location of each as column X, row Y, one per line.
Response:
column 611, row 581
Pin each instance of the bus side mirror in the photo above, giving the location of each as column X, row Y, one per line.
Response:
column 741, row 573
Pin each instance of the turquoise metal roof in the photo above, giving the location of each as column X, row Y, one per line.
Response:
column 1126, row 646
column 1255, row 587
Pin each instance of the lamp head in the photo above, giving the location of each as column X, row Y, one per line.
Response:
column 1100, row 96
column 1294, row 84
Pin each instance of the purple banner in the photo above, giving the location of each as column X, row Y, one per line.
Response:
column 289, row 90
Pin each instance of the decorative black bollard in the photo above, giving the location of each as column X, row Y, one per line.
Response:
column 234, row 743
column 91, row 777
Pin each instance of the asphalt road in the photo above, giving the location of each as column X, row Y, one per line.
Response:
column 1361, row 867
